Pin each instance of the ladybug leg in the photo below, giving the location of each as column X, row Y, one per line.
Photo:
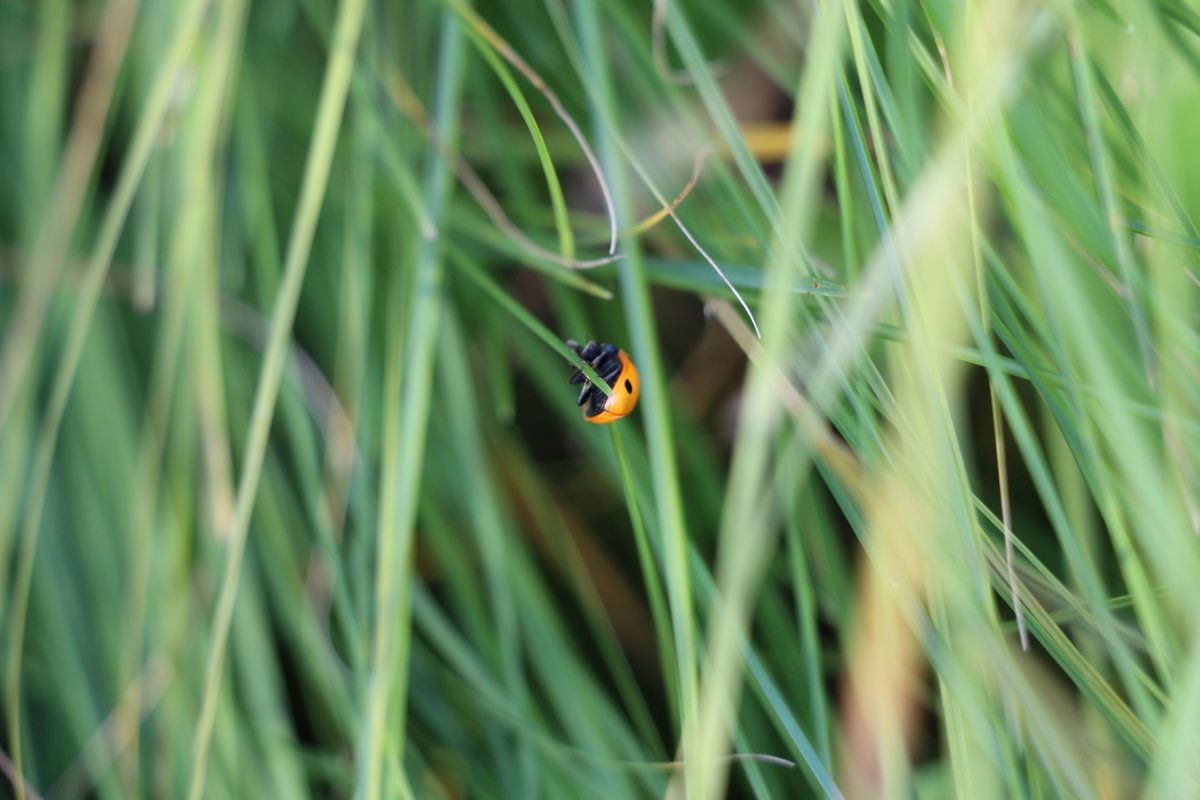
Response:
column 596, row 402
column 578, row 376
column 589, row 354
column 607, row 365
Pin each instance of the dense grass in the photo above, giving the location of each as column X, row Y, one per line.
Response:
column 295, row 500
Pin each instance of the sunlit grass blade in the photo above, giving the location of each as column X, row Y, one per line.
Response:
column 412, row 337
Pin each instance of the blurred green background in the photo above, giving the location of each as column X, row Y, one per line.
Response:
column 295, row 499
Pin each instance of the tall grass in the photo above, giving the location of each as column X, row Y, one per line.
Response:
column 294, row 499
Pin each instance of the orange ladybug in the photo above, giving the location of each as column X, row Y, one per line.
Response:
column 616, row 368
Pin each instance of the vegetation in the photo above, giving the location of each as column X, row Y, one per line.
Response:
column 295, row 499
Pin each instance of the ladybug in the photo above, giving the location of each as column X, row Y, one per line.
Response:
column 617, row 370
